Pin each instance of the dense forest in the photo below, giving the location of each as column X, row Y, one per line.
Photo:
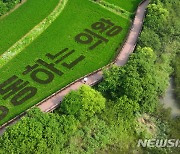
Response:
column 7, row 5
column 124, row 107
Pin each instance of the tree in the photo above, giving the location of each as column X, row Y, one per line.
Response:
column 126, row 108
column 6, row 5
column 83, row 103
column 93, row 135
column 10, row 3
column 136, row 80
column 3, row 8
column 156, row 18
column 150, row 39
column 38, row 132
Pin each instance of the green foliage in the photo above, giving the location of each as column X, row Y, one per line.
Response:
column 11, row 3
column 110, row 127
column 6, row 5
column 160, row 32
column 53, row 40
column 136, row 80
column 156, row 18
column 92, row 135
column 126, row 108
column 149, row 38
column 50, row 133
column 38, row 133
column 83, row 103
column 3, row 8
column 162, row 22
column 168, row 128
column 177, row 76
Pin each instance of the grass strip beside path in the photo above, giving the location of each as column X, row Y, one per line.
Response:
column 128, row 5
column 117, row 9
column 114, row 9
column 32, row 35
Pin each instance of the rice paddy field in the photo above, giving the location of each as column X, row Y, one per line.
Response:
column 128, row 5
column 21, row 21
column 82, row 39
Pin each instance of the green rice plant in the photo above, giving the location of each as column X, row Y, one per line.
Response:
column 32, row 35
column 128, row 5
column 67, row 50
column 18, row 23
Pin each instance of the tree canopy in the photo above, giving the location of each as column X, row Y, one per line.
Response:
column 136, row 80
column 88, row 122
column 6, row 5
column 83, row 103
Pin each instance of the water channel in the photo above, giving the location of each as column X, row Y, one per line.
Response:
column 169, row 100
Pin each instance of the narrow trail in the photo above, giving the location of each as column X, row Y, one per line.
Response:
column 50, row 103
column 53, row 101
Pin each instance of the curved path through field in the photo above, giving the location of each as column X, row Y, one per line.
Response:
column 53, row 101
column 32, row 34
column 50, row 103
column 20, row 20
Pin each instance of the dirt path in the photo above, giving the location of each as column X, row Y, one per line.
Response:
column 131, row 41
column 53, row 101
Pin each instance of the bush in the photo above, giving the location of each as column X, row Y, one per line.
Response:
column 6, row 5
column 83, row 103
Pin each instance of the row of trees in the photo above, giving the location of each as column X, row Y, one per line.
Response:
column 6, row 5
column 74, row 128
column 138, row 80
column 111, row 117
column 87, row 121
column 164, row 36
column 161, row 33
